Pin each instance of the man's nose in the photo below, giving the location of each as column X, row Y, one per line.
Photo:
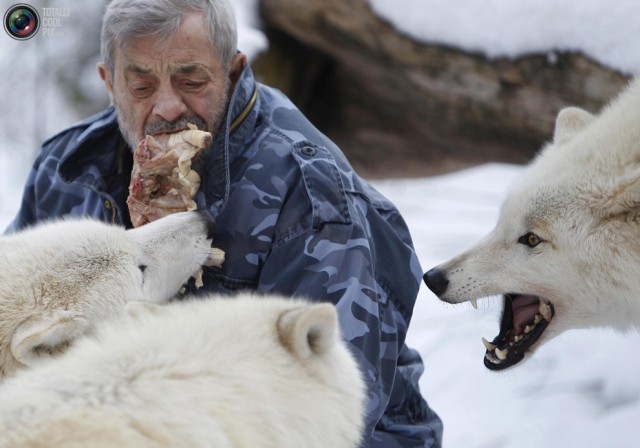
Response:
column 169, row 104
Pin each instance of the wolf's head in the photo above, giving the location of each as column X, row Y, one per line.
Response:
column 565, row 252
column 288, row 352
column 57, row 279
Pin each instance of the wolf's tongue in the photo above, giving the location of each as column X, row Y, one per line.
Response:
column 525, row 309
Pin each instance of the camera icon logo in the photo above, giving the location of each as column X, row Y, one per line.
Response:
column 21, row 21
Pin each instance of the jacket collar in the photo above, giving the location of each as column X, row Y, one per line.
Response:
column 99, row 147
column 236, row 129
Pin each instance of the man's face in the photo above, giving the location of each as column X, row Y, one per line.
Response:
column 159, row 85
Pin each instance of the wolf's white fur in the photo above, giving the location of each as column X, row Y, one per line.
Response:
column 255, row 372
column 57, row 279
column 582, row 197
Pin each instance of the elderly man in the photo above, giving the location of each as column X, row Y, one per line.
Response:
column 292, row 216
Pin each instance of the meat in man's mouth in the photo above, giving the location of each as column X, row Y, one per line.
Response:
column 162, row 181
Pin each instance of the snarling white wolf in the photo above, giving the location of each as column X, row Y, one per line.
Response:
column 254, row 372
column 58, row 279
column 565, row 252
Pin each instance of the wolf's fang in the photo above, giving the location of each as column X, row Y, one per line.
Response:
column 488, row 345
column 502, row 354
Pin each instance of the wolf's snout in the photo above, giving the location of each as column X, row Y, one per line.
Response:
column 208, row 221
column 436, row 280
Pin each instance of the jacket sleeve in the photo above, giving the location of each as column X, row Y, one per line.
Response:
column 360, row 257
column 46, row 195
column 27, row 212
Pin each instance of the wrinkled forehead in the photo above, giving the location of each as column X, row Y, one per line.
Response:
column 189, row 45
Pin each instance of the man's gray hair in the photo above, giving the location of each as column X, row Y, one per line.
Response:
column 128, row 19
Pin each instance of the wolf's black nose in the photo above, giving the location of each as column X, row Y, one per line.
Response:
column 208, row 220
column 436, row 280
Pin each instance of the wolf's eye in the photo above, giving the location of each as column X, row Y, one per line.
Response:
column 530, row 239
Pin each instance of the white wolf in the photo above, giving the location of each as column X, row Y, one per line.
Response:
column 565, row 252
column 254, row 372
column 58, row 279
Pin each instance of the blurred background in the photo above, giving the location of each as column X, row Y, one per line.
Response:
column 406, row 88
column 439, row 103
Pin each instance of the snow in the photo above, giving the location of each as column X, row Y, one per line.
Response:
column 583, row 388
column 606, row 31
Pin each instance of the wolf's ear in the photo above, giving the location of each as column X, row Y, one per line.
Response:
column 46, row 335
column 136, row 310
column 308, row 330
column 569, row 121
column 626, row 199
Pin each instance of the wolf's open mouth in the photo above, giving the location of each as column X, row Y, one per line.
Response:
column 524, row 319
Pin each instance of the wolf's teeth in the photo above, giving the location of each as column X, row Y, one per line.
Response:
column 545, row 310
column 518, row 338
column 537, row 319
column 502, row 354
column 488, row 345
column 474, row 303
column 528, row 329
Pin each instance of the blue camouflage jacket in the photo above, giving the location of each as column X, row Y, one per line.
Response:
column 292, row 217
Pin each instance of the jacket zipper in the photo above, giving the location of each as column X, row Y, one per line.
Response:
column 247, row 109
column 114, row 210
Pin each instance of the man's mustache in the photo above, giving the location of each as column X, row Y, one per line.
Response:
column 164, row 126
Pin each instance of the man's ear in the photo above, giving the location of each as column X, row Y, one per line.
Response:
column 46, row 335
column 106, row 77
column 238, row 64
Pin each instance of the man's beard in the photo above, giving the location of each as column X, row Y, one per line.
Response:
column 125, row 122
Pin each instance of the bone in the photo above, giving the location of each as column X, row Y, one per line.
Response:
column 215, row 258
column 198, row 277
